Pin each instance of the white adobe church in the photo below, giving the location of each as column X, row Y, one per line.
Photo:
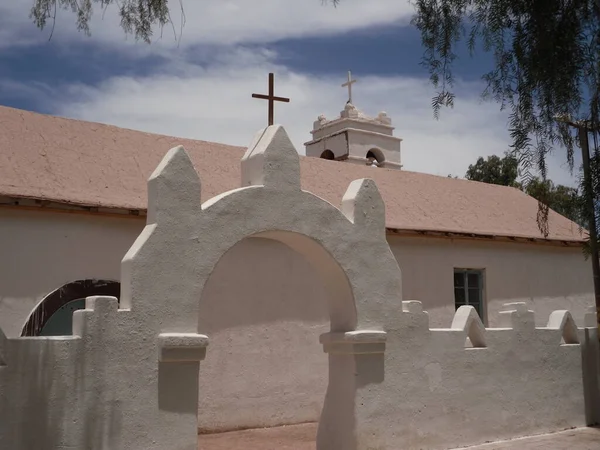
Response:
column 73, row 200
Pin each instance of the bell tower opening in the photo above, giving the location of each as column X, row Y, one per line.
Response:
column 327, row 154
column 375, row 157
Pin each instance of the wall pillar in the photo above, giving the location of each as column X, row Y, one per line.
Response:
column 590, row 355
column 356, row 360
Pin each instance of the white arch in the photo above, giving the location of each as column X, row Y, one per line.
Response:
column 271, row 205
column 165, row 271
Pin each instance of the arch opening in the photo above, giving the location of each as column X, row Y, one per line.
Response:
column 264, row 306
column 375, row 157
column 327, row 154
column 53, row 315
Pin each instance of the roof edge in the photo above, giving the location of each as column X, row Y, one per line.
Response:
column 442, row 234
column 37, row 204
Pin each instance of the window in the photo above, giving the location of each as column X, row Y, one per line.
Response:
column 53, row 316
column 468, row 289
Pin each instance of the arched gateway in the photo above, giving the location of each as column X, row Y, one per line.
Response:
column 132, row 369
column 184, row 240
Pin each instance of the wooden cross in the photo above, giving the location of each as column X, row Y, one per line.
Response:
column 349, row 83
column 271, row 97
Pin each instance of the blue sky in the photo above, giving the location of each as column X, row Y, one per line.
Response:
column 200, row 86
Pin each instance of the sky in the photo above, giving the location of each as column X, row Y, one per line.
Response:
column 196, row 78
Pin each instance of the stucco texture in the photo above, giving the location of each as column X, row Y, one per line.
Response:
column 43, row 251
column 545, row 277
column 153, row 405
column 392, row 382
column 264, row 298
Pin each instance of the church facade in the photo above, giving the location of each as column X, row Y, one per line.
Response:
column 73, row 199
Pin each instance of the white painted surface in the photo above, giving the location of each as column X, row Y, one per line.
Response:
column 42, row 251
column 438, row 394
column 264, row 308
column 547, row 278
column 353, row 135
column 140, row 364
column 281, row 302
column 258, row 275
column 129, row 378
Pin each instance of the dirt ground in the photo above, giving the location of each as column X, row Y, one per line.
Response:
column 293, row 437
column 302, row 437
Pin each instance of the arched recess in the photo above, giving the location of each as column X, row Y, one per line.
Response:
column 252, row 324
column 337, row 247
column 327, row 154
column 271, row 203
column 341, row 298
column 52, row 316
column 335, row 262
column 376, row 154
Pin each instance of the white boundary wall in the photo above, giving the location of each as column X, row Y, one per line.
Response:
column 128, row 379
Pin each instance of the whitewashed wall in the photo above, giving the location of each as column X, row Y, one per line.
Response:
column 545, row 277
column 42, row 251
column 268, row 299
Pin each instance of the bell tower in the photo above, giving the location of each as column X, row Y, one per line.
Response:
column 355, row 137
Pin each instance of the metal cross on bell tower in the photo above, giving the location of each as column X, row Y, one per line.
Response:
column 271, row 97
column 349, row 84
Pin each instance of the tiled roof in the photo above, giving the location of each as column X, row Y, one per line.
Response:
column 71, row 161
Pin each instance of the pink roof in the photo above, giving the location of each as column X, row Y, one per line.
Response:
column 70, row 161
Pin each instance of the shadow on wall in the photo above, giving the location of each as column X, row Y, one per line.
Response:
column 37, row 422
column 262, row 300
column 53, row 248
column 50, row 401
column 546, row 277
column 95, row 393
column 260, row 281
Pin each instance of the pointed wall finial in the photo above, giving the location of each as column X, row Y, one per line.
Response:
column 563, row 321
column 271, row 160
column 467, row 320
column 362, row 205
column 173, row 188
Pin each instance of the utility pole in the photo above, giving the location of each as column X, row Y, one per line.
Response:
column 583, row 128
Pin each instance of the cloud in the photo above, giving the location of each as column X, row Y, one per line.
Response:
column 210, row 98
column 206, row 22
column 213, row 102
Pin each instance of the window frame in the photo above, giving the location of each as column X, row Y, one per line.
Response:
column 465, row 272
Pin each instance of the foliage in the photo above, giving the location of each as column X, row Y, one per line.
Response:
column 595, row 179
column 495, row 170
column 547, row 62
column 137, row 16
column 562, row 199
